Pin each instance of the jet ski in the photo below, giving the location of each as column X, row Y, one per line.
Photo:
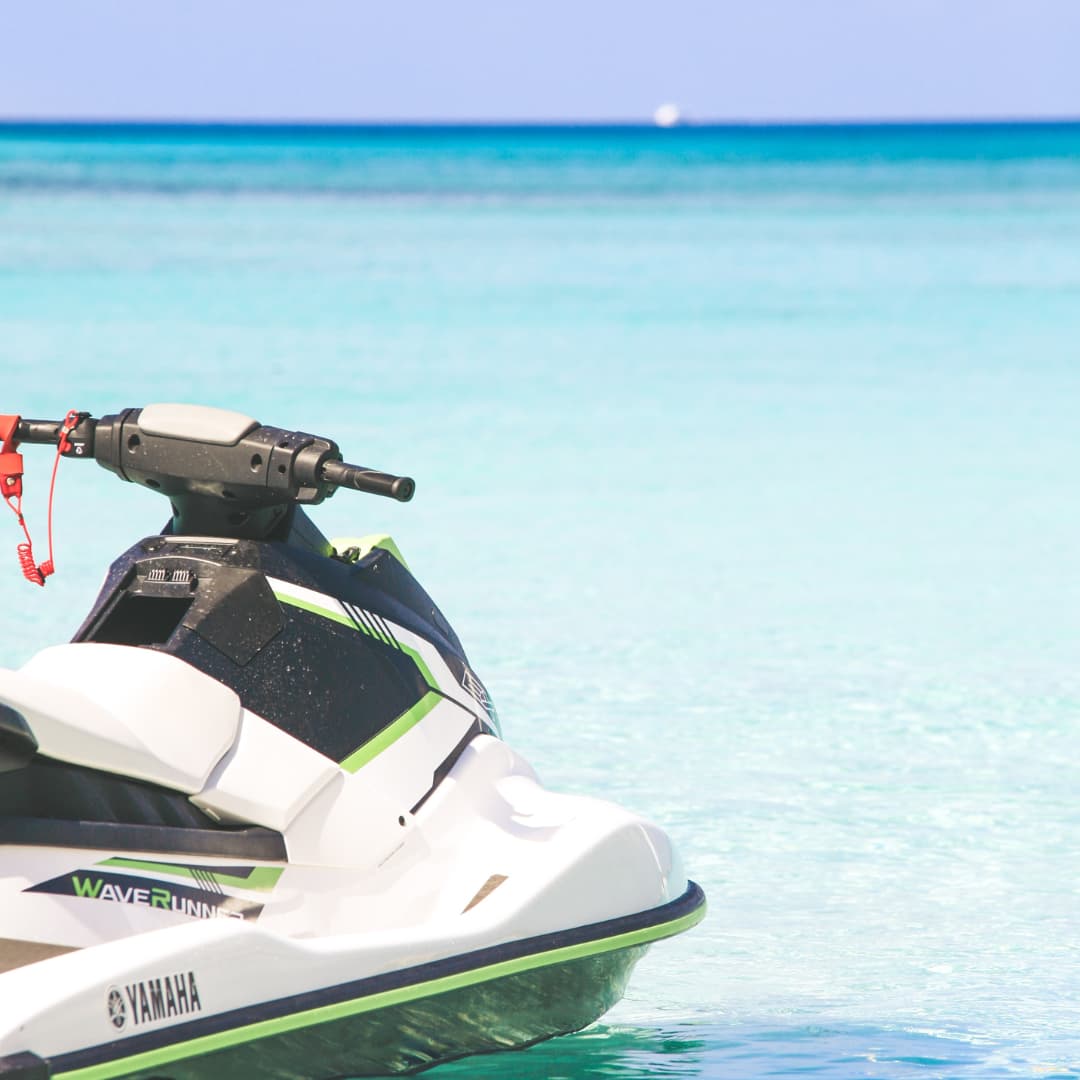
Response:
column 257, row 818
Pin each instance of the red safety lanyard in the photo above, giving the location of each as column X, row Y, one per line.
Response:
column 11, row 473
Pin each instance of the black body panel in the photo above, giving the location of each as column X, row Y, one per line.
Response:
column 207, row 601
column 250, row 842
column 380, row 570
column 17, row 742
column 23, row 1067
column 53, row 804
column 54, row 789
column 319, row 681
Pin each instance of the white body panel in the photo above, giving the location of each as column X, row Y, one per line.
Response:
column 565, row 861
column 126, row 710
column 361, row 819
column 266, row 778
column 388, row 866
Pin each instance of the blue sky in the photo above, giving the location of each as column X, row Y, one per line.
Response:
column 344, row 60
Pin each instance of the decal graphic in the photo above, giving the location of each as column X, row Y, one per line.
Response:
column 203, row 898
column 476, row 689
column 211, row 878
column 117, row 1009
column 367, row 622
column 160, row 998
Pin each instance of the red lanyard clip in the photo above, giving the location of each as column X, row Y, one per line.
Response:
column 11, row 462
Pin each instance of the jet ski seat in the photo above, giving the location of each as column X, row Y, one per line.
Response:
column 58, row 791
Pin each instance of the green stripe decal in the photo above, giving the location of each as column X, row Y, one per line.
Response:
column 261, row 878
column 376, row 745
column 316, row 609
column 262, row 1029
column 408, row 719
column 352, row 624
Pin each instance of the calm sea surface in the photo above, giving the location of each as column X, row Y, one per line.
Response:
column 748, row 470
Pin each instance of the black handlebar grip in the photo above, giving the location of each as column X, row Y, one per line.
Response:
column 374, row 483
column 39, row 431
column 47, row 433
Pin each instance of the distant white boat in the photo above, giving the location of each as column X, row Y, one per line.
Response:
column 667, row 116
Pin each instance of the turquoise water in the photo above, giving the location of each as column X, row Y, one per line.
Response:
column 748, row 470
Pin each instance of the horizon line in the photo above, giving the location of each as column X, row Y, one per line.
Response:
column 430, row 124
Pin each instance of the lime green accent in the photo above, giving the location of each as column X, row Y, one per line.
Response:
column 345, row 620
column 261, row 879
column 206, row 1044
column 87, row 886
column 315, row 609
column 425, row 671
column 408, row 719
column 377, row 744
column 367, row 544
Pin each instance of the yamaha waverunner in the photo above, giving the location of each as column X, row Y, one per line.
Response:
column 256, row 818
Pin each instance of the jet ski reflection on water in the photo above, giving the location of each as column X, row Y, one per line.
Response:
column 257, row 820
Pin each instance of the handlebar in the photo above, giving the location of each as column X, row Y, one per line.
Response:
column 374, row 483
column 332, row 472
column 47, row 433
column 224, row 473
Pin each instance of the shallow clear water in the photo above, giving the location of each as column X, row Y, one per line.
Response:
column 747, row 471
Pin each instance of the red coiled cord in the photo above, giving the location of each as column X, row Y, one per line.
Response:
column 11, row 470
column 30, row 569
